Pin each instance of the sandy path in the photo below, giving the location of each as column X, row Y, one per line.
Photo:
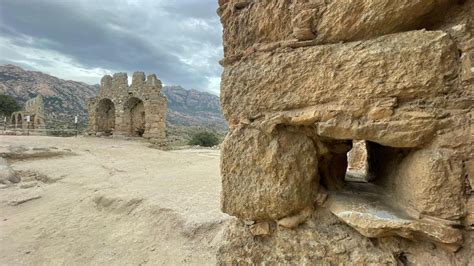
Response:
column 111, row 202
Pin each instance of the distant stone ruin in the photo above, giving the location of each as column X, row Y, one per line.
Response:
column 305, row 79
column 138, row 110
column 33, row 111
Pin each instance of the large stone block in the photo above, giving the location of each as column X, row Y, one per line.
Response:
column 467, row 73
column 349, row 20
column 429, row 181
column 248, row 24
column 267, row 175
column 374, row 219
column 360, row 90
column 408, row 66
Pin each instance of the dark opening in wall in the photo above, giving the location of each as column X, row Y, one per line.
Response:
column 358, row 161
column 384, row 164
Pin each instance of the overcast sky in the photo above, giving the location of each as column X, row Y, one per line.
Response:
column 179, row 40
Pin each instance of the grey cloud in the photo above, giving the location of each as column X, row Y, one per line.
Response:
column 205, row 9
column 153, row 36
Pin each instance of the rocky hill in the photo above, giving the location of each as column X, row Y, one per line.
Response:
column 193, row 108
column 66, row 98
column 63, row 98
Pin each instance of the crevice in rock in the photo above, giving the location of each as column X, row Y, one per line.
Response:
column 402, row 258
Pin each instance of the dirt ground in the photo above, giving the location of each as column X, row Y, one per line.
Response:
column 104, row 201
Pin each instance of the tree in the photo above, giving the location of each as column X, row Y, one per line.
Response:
column 8, row 105
column 204, row 139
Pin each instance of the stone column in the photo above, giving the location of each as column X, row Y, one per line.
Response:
column 155, row 119
column 92, row 115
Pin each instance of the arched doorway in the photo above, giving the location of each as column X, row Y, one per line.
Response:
column 19, row 121
column 32, row 124
column 38, row 122
column 106, row 116
column 13, row 121
column 134, row 117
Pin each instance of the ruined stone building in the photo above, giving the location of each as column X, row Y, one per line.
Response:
column 305, row 79
column 34, row 108
column 138, row 110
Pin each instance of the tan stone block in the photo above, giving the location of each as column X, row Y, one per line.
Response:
column 260, row 229
column 467, row 68
column 267, row 176
column 332, row 21
column 316, row 75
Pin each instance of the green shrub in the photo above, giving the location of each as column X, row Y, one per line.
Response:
column 8, row 105
column 204, row 139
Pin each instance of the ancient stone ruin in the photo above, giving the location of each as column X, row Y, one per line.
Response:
column 138, row 110
column 33, row 111
column 303, row 81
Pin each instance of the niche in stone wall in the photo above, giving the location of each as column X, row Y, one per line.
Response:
column 134, row 117
column 106, row 116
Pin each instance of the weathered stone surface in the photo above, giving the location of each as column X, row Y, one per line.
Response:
column 7, row 175
column 25, row 153
column 467, row 74
column 295, row 220
column 381, row 73
column 251, row 23
column 428, row 180
column 260, row 229
column 358, row 162
column 138, row 110
column 322, row 240
column 372, row 216
column 301, row 87
column 469, row 220
column 277, row 177
column 334, row 72
column 349, row 20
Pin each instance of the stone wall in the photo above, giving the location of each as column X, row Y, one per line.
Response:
column 302, row 80
column 138, row 110
column 34, row 108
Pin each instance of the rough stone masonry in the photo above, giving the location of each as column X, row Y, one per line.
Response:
column 34, row 108
column 138, row 110
column 305, row 79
